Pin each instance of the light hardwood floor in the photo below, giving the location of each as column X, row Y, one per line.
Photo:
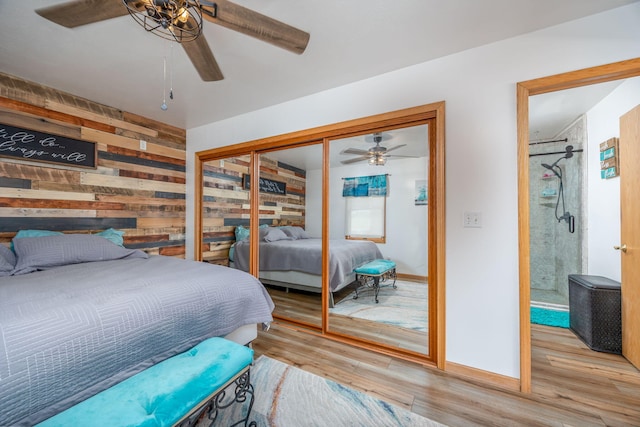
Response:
column 305, row 307
column 572, row 385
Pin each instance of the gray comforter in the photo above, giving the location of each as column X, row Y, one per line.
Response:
column 306, row 255
column 72, row 331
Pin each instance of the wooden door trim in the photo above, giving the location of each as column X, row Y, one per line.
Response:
column 584, row 77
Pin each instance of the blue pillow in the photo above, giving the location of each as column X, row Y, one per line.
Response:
column 242, row 233
column 114, row 235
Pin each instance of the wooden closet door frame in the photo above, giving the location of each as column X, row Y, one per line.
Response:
column 588, row 76
column 430, row 113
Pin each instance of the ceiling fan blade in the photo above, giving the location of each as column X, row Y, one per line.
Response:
column 403, row 157
column 254, row 24
column 355, row 151
column 354, row 160
column 200, row 54
column 395, row 148
column 81, row 12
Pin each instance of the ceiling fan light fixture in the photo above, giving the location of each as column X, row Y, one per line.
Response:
column 377, row 160
column 175, row 20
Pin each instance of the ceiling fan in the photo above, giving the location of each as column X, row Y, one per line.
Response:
column 181, row 20
column 376, row 155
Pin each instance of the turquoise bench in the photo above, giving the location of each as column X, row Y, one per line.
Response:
column 175, row 392
column 374, row 272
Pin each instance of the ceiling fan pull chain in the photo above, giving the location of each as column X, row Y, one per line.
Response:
column 164, row 107
column 171, row 72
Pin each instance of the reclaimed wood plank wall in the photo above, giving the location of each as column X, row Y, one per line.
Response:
column 141, row 192
column 226, row 202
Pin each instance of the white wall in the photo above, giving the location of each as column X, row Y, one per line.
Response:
column 405, row 221
column 478, row 86
column 603, row 198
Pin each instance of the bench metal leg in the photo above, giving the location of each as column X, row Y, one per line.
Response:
column 372, row 281
column 238, row 392
column 376, row 287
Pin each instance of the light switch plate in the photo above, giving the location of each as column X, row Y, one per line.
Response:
column 472, row 220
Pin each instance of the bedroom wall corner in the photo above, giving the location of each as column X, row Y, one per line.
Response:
column 141, row 192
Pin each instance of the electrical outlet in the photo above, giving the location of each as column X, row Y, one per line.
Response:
column 143, row 144
column 472, row 220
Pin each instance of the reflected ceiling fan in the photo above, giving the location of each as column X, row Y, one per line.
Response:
column 181, row 21
column 376, row 155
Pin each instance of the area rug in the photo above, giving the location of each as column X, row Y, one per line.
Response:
column 286, row 396
column 405, row 306
column 550, row 317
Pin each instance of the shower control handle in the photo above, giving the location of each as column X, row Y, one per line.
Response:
column 622, row 248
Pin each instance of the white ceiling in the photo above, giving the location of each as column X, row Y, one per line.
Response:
column 551, row 113
column 116, row 63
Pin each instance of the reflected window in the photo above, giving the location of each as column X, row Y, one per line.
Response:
column 366, row 218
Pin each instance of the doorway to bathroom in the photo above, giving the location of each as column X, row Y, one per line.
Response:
column 557, row 209
column 604, row 196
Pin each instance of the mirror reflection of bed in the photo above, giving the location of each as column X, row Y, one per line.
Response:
column 291, row 215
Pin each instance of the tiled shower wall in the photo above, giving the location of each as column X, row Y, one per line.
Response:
column 555, row 252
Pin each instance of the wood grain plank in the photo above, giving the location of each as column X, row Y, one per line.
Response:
column 126, row 200
column 160, row 160
column 38, row 173
column 21, row 193
column 64, row 223
column 54, row 115
column 130, row 183
column 118, row 166
column 97, row 118
column 33, row 122
column 132, row 144
column 44, row 213
column 9, row 202
column 163, row 129
column 93, row 190
column 160, row 222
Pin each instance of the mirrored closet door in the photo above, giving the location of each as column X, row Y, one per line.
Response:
column 225, row 209
column 379, row 211
column 296, row 205
column 290, row 245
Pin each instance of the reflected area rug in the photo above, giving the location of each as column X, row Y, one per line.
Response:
column 405, row 307
column 286, row 396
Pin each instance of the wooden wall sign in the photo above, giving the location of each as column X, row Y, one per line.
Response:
column 610, row 158
column 266, row 185
column 36, row 146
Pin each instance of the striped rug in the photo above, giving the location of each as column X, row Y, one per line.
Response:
column 286, row 396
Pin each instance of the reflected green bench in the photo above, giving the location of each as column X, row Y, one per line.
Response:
column 373, row 273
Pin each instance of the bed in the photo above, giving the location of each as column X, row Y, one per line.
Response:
column 290, row 258
column 78, row 315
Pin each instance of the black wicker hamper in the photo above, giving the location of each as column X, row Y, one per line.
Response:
column 595, row 312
